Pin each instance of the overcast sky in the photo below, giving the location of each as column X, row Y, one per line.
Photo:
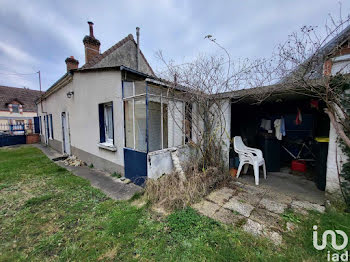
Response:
column 39, row 35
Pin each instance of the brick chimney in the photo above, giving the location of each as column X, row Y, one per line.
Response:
column 72, row 63
column 92, row 45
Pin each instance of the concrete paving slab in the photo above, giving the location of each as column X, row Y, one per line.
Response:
column 272, row 206
column 246, row 197
column 236, row 205
column 282, row 198
column 206, row 208
column 258, row 229
column 253, row 227
column 221, row 196
column 108, row 185
column 48, row 151
column 227, row 217
column 308, row 206
column 267, row 218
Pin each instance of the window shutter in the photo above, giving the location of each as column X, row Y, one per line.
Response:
column 47, row 126
column 51, row 126
column 113, row 122
column 101, row 121
column 36, row 125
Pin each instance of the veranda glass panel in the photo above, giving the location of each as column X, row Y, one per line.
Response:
column 128, row 89
column 129, row 130
column 154, row 124
column 140, row 124
column 140, row 87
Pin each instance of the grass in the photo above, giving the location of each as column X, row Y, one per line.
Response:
column 48, row 214
column 117, row 175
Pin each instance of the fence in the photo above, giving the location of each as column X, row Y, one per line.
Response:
column 16, row 129
column 14, row 134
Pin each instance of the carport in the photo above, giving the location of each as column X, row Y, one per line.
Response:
column 291, row 129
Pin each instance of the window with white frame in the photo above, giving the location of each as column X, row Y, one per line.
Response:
column 106, row 124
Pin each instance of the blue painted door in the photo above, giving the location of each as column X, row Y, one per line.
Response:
column 36, row 125
column 135, row 164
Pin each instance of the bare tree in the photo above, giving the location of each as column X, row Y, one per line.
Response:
column 302, row 65
column 200, row 82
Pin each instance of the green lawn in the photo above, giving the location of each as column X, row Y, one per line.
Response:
column 48, row 214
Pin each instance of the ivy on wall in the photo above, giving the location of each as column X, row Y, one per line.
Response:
column 341, row 86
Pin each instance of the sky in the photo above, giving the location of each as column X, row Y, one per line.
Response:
column 40, row 35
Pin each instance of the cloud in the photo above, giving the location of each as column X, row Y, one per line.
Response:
column 17, row 54
column 39, row 35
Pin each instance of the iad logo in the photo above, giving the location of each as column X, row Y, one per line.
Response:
column 335, row 246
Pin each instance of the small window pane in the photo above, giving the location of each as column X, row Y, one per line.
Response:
column 154, row 90
column 109, row 123
column 154, row 124
column 140, row 124
column 128, row 89
column 129, row 130
column 15, row 109
column 140, row 88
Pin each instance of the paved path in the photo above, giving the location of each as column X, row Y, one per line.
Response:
column 101, row 180
column 258, row 210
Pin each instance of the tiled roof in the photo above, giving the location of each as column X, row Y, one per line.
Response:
column 24, row 96
column 98, row 58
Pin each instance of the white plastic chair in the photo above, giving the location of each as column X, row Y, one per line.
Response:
column 249, row 155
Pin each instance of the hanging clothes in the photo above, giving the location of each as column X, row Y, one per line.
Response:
column 314, row 103
column 277, row 125
column 283, row 127
column 265, row 124
column 299, row 118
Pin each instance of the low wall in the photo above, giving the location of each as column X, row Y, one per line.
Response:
column 160, row 162
column 55, row 144
column 98, row 162
column 32, row 138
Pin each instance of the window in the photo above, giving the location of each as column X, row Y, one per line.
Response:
column 51, row 126
column 145, row 116
column 15, row 108
column 40, row 126
column 188, row 122
column 106, row 124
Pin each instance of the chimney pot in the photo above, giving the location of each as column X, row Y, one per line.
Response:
column 92, row 45
column 91, row 28
column 138, row 48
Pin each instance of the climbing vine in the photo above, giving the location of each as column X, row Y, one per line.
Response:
column 341, row 85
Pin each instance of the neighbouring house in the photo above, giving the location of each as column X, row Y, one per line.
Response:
column 17, row 109
column 114, row 113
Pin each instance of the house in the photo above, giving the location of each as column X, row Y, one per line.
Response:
column 17, row 109
column 114, row 113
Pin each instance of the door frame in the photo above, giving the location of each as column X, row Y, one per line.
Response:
column 65, row 134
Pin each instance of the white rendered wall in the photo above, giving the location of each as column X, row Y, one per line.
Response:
column 90, row 89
